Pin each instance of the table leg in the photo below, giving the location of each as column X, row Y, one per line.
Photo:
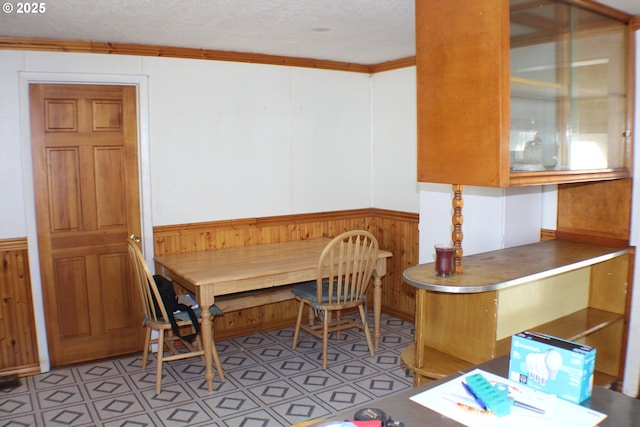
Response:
column 205, row 300
column 380, row 271
column 377, row 308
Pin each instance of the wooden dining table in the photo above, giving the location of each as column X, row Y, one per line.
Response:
column 213, row 273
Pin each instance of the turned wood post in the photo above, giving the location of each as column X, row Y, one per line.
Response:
column 457, row 219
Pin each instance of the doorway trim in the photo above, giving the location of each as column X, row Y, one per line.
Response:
column 141, row 82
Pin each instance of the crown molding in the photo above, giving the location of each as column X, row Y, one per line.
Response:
column 79, row 46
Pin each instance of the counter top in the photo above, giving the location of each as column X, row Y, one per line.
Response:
column 503, row 268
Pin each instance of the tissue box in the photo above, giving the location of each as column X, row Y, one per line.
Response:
column 552, row 365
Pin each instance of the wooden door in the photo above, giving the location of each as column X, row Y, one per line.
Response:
column 84, row 150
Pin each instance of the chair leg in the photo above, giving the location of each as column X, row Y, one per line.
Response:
column 365, row 325
column 325, row 338
column 216, row 361
column 169, row 341
column 147, row 344
column 312, row 316
column 296, row 333
column 159, row 357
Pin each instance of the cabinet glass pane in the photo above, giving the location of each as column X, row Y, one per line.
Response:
column 568, row 89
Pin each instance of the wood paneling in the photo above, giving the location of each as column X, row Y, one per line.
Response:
column 396, row 232
column 597, row 212
column 18, row 346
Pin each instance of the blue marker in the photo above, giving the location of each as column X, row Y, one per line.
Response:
column 472, row 394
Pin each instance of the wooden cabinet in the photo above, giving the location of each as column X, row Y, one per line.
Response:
column 511, row 93
column 572, row 290
column 520, row 93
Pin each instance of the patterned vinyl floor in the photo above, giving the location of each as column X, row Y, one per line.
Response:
column 267, row 384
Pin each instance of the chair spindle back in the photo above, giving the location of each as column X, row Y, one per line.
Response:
column 348, row 262
column 146, row 284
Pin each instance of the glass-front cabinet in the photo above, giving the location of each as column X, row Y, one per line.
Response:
column 521, row 92
column 568, row 83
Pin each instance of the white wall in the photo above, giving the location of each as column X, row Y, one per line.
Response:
column 234, row 140
column 394, row 140
column 220, row 140
column 494, row 218
column 12, row 222
column 238, row 140
column 332, row 165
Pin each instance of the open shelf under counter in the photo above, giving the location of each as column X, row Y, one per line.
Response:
column 570, row 290
column 436, row 364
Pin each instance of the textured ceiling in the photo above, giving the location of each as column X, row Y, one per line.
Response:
column 356, row 31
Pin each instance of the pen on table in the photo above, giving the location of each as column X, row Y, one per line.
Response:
column 472, row 394
column 472, row 409
column 529, row 407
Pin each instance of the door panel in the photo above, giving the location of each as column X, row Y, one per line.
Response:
column 113, row 269
column 70, row 283
column 110, row 190
column 64, row 177
column 84, row 148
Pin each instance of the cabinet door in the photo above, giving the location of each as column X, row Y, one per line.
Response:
column 568, row 90
column 462, row 68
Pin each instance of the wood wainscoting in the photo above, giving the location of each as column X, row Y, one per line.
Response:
column 396, row 232
column 18, row 344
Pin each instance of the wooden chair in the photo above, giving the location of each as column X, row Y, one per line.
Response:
column 344, row 271
column 159, row 322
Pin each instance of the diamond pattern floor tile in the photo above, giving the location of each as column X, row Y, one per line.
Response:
column 267, row 384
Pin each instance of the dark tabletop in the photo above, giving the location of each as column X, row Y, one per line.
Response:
column 621, row 410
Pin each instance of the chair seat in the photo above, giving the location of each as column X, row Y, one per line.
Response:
column 308, row 291
column 183, row 315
